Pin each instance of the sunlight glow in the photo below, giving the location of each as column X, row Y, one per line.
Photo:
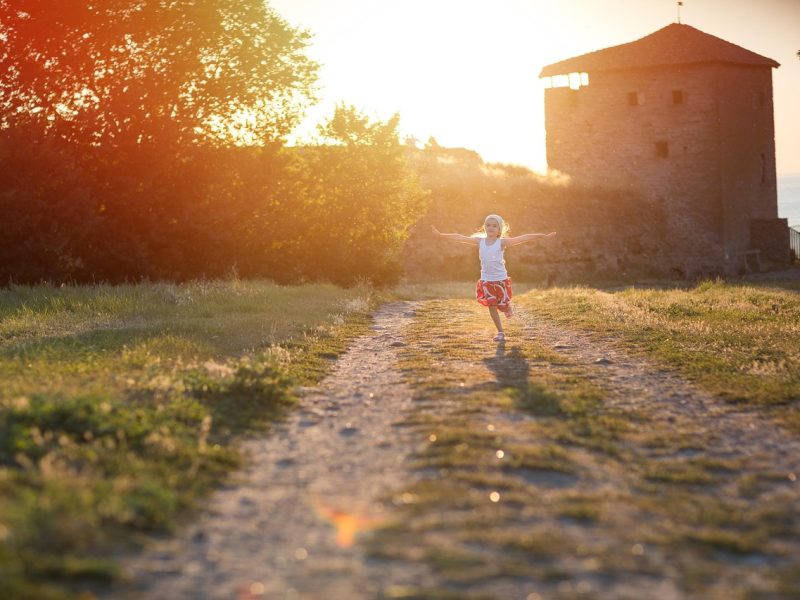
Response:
column 347, row 523
column 238, row 128
column 466, row 71
column 438, row 65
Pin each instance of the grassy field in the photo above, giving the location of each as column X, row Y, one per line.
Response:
column 528, row 472
column 737, row 340
column 120, row 407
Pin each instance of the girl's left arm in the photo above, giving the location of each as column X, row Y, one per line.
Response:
column 521, row 239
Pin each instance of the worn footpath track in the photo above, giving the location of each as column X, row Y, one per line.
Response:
column 286, row 527
column 292, row 523
column 583, row 469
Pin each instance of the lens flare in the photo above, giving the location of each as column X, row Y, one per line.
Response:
column 348, row 523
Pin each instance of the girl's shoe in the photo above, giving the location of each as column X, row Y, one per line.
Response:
column 509, row 312
column 500, row 337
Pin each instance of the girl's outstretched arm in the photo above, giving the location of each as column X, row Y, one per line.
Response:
column 521, row 239
column 457, row 237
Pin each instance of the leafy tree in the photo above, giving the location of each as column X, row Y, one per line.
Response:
column 134, row 71
column 48, row 210
column 362, row 199
column 118, row 121
column 122, row 133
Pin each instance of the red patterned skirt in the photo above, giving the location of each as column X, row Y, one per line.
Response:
column 494, row 293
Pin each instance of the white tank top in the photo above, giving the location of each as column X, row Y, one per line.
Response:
column 493, row 265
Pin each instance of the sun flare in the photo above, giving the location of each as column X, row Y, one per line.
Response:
column 434, row 63
column 347, row 524
column 466, row 72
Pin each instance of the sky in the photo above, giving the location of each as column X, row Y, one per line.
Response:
column 467, row 71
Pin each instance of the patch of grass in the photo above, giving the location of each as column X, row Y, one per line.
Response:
column 543, row 456
column 518, row 442
column 735, row 339
column 446, row 559
column 120, row 407
column 711, row 523
column 539, row 400
column 581, row 507
column 480, row 464
column 677, row 472
column 737, row 542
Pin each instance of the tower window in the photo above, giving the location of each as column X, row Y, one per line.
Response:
column 763, row 168
column 635, row 98
column 662, row 149
column 677, row 96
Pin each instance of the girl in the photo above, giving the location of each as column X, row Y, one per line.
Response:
column 494, row 287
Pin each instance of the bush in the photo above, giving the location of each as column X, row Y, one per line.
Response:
column 601, row 232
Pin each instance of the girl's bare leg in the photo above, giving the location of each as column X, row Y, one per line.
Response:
column 496, row 318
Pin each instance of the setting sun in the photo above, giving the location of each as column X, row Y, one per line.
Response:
column 450, row 68
column 466, row 72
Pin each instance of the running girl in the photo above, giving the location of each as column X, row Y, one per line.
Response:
column 493, row 289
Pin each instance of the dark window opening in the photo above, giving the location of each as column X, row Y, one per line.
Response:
column 662, row 149
column 763, row 168
column 677, row 96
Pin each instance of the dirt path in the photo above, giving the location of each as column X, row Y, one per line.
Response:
column 286, row 528
column 747, row 512
column 338, row 466
column 652, row 489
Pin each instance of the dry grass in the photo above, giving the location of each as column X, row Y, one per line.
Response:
column 120, row 408
column 528, row 474
column 738, row 341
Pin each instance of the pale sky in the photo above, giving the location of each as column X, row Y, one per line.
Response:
column 466, row 71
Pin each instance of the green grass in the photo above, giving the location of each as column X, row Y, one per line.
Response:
column 527, row 471
column 737, row 340
column 120, row 407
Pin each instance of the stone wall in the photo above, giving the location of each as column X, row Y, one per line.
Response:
column 688, row 137
column 771, row 238
column 746, row 133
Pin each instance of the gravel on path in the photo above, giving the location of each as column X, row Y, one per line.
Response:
column 286, row 527
column 722, row 429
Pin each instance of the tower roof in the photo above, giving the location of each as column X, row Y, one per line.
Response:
column 675, row 44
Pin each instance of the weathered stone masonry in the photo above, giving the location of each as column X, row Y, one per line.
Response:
column 687, row 119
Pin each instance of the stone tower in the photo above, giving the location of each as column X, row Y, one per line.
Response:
column 685, row 118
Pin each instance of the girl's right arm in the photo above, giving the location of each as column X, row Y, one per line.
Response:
column 457, row 237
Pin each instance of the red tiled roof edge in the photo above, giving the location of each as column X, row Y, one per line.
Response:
column 675, row 44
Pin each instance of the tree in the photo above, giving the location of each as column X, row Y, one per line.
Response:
column 119, row 117
column 362, row 200
column 138, row 71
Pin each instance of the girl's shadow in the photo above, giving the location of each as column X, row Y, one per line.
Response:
column 509, row 366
